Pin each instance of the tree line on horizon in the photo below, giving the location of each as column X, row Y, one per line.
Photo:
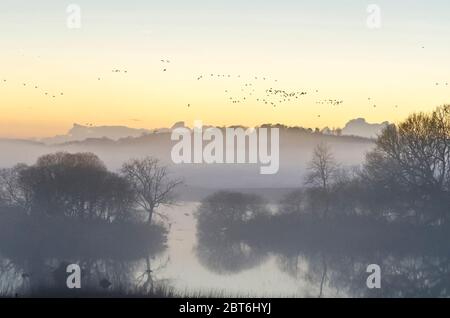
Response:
column 405, row 180
column 406, row 177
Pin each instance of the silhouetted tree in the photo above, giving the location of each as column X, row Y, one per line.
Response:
column 224, row 211
column 12, row 192
column 293, row 202
column 151, row 184
column 322, row 169
column 412, row 162
column 73, row 185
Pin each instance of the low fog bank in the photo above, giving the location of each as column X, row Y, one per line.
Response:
column 296, row 148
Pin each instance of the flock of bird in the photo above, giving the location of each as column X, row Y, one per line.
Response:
column 44, row 92
column 164, row 69
column 119, row 71
column 249, row 90
column 282, row 95
column 374, row 105
column 332, row 102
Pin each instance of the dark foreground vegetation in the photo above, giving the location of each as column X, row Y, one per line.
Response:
column 69, row 209
column 65, row 193
column 70, row 204
column 399, row 199
column 22, row 236
column 393, row 211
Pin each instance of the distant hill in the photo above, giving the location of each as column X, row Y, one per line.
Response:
column 296, row 147
column 80, row 132
column 355, row 127
column 360, row 127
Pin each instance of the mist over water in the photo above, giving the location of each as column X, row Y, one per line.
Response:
column 138, row 225
column 224, row 149
column 190, row 265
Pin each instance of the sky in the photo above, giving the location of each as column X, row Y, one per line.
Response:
column 324, row 48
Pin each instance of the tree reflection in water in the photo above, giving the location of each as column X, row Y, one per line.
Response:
column 100, row 277
column 227, row 246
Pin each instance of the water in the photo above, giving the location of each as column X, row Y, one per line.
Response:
column 235, row 269
column 186, row 272
column 242, row 270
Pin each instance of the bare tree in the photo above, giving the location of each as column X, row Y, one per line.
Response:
column 322, row 168
column 12, row 191
column 151, row 183
column 411, row 163
column 420, row 146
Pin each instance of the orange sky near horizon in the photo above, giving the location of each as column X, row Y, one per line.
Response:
column 333, row 58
